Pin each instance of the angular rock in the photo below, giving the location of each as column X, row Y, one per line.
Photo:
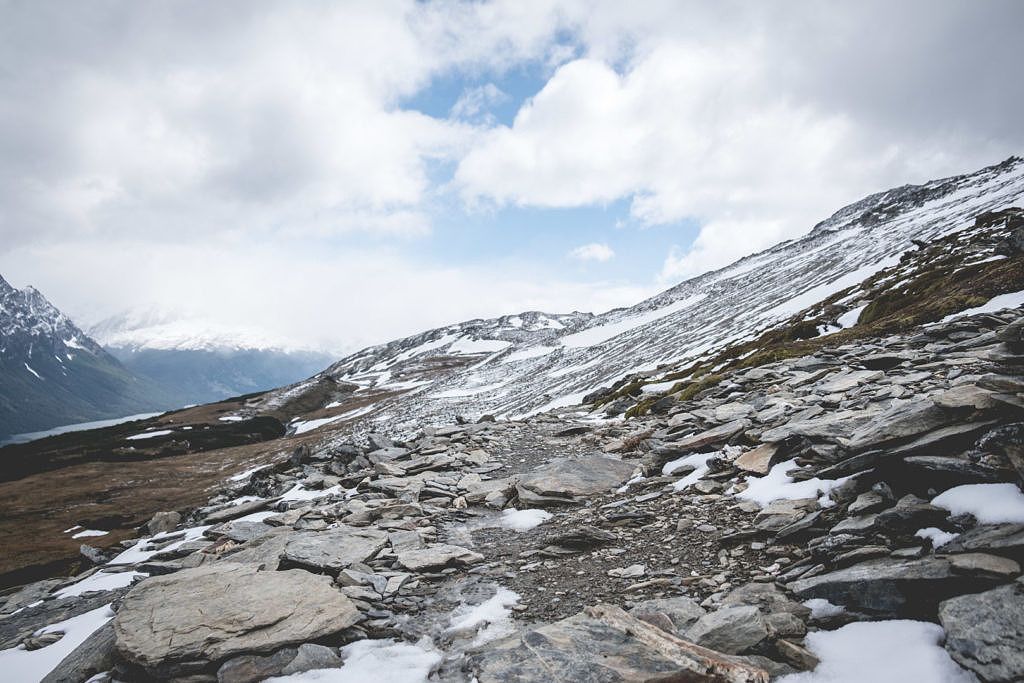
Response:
column 437, row 556
column 984, row 632
column 758, row 460
column 680, row 612
column 903, row 421
column 163, row 522
column 567, row 480
column 906, row 587
column 175, row 624
column 604, row 644
column 998, row 539
column 334, row 549
column 235, row 511
column 732, row 630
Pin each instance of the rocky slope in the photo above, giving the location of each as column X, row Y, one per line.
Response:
column 494, row 367
column 52, row 373
column 810, row 455
column 198, row 362
column 865, row 497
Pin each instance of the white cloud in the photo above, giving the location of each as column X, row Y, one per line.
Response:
column 337, row 301
column 474, row 103
column 592, row 252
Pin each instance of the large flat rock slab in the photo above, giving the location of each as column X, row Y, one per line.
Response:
column 567, row 480
column 180, row 623
column 334, row 549
column 907, row 588
column 604, row 644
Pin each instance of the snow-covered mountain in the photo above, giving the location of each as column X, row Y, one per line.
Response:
column 52, row 373
column 198, row 360
column 517, row 365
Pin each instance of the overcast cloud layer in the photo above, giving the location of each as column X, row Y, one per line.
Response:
column 268, row 161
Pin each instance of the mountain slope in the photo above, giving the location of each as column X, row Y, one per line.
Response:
column 481, row 367
column 52, row 373
column 199, row 362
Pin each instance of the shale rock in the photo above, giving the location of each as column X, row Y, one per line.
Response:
column 177, row 624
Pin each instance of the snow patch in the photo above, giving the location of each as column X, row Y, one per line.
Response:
column 489, row 620
column 149, row 435
column 376, row 660
column 19, row 664
column 523, row 520
column 100, row 581
column 937, row 536
column 1011, row 300
column 776, row 485
column 895, row 651
column 90, row 532
column 989, row 503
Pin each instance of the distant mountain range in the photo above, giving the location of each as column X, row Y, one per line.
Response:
column 53, row 373
column 201, row 361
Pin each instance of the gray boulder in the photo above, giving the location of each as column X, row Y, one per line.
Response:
column 437, row 556
column 732, row 630
column 334, row 549
column 178, row 624
column 567, row 480
column 984, row 632
column 680, row 612
column 163, row 522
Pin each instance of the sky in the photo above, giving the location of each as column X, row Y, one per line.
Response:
column 337, row 174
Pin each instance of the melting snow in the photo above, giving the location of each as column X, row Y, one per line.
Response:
column 1012, row 300
column 882, row 652
column 90, row 532
column 822, row 608
column 989, row 503
column 523, row 520
column 100, row 581
column 937, row 536
column 149, row 435
column 489, row 620
column 697, row 460
column 19, row 664
column 376, row 660
column 248, row 473
column 29, row 368
column 142, row 550
column 776, row 485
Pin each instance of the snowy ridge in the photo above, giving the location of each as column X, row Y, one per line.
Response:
column 165, row 330
column 538, row 365
column 27, row 320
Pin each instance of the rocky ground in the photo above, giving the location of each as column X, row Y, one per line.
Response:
column 865, row 498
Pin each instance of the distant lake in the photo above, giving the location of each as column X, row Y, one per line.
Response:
column 79, row 427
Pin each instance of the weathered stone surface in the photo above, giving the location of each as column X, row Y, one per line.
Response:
column 681, row 612
column 438, row 556
column 566, row 480
column 758, row 460
column 163, row 522
column 984, row 632
column 732, row 630
column 604, row 644
column 239, row 531
column 218, row 611
column 334, row 549
column 900, row 422
column 906, row 587
column 251, row 668
column 312, row 656
column 768, row 598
